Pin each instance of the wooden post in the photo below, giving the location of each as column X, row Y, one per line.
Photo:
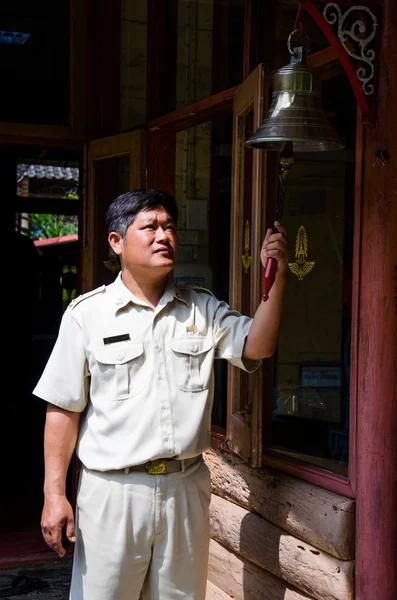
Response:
column 106, row 69
column 259, row 22
column 376, row 530
column 161, row 58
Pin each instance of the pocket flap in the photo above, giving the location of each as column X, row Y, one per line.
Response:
column 191, row 345
column 119, row 355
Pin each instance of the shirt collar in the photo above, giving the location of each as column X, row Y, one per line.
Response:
column 122, row 295
column 172, row 291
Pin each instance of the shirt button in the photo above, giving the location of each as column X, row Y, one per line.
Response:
column 164, row 406
column 119, row 356
column 166, row 439
column 194, row 348
column 119, row 301
column 157, row 346
column 160, row 377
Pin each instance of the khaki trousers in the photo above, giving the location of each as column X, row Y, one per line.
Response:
column 142, row 536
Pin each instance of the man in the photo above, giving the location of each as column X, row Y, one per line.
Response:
column 130, row 384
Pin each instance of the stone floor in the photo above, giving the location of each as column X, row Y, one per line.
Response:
column 44, row 582
column 53, row 579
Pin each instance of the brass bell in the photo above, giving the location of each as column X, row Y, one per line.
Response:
column 295, row 114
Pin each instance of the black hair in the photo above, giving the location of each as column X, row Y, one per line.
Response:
column 124, row 209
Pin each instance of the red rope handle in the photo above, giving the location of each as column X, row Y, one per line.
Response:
column 298, row 22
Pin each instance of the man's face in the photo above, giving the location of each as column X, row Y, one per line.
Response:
column 150, row 242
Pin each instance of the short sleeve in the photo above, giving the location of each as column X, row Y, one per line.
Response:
column 65, row 379
column 231, row 329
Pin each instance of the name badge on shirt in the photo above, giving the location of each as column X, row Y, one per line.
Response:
column 124, row 337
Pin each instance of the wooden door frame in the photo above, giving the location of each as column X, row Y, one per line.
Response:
column 244, row 431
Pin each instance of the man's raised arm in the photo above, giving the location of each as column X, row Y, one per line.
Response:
column 261, row 341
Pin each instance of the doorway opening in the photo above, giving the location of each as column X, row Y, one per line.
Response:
column 42, row 191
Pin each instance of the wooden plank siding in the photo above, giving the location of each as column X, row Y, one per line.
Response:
column 319, row 517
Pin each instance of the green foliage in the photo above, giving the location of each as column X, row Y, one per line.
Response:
column 49, row 226
column 68, row 284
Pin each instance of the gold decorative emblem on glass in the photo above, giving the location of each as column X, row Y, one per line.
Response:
column 112, row 264
column 301, row 266
column 246, row 258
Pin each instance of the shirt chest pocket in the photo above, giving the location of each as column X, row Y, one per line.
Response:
column 193, row 363
column 122, row 368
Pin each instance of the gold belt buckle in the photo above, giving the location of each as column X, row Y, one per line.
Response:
column 156, row 467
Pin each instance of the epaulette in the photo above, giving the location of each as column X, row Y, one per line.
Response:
column 194, row 286
column 77, row 300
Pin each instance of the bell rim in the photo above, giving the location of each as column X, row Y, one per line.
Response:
column 336, row 145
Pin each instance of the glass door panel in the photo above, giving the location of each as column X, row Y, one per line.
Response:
column 112, row 178
column 116, row 165
column 312, row 366
column 203, row 194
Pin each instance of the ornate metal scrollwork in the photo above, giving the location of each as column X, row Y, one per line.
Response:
column 356, row 29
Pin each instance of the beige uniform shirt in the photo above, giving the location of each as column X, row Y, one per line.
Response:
column 143, row 376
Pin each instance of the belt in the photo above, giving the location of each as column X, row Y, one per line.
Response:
column 163, row 466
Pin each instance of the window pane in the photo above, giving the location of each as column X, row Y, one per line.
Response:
column 202, row 191
column 312, row 367
column 209, row 48
column 48, row 179
column 35, row 67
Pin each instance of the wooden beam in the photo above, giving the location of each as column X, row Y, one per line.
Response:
column 241, row 579
column 54, row 206
column 214, row 593
column 319, row 517
column 301, row 565
column 18, row 138
column 323, row 59
column 196, row 113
